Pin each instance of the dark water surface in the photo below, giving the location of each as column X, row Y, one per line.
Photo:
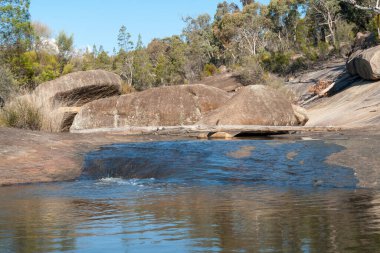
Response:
column 197, row 196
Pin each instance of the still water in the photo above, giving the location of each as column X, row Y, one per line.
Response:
column 197, row 196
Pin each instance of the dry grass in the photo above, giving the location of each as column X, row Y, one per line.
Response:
column 29, row 112
column 127, row 88
column 21, row 113
column 320, row 86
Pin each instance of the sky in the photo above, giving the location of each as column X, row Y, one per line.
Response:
column 98, row 21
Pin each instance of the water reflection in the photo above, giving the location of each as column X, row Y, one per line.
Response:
column 245, row 196
column 185, row 219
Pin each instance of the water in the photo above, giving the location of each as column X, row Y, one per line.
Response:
column 237, row 196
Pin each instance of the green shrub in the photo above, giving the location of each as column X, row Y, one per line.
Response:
column 324, row 51
column 209, row 70
column 310, row 53
column 278, row 62
column 21, row 114
column 297, row 65
column 251, row 72
column 7, row 83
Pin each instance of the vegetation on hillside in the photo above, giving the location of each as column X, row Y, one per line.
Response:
column 250, row 38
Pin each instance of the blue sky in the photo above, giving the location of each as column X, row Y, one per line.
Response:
column 98, row 21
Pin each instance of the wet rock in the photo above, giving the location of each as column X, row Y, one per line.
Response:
column 163, row 106
column 36, row 157
column 254, row 105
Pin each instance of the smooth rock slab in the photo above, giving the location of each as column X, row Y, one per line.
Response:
column 254, row 105
column 163, row 106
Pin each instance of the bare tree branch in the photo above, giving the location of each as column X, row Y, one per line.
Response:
column 375, row 9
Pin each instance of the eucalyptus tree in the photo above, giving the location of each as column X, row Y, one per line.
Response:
column 326, row 13
column 201, row 43
column 285, row 17
column 125, row 56
column 15, row 27
column 65, row 44
column 252, row 34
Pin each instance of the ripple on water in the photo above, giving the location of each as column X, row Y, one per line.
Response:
column 244, row 196
column 298, row 163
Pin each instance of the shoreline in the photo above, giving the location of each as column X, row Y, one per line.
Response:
column 40, row 157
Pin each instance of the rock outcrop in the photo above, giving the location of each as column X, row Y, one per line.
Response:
column 225, row 81
column 79, row 88
column 59, row 99
column 367, row 63
column 301, row 114
column 356, row 106
column 352, row 102
column 254, row 105
column 163, row 106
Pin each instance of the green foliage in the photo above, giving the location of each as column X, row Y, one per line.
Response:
column 21, row 114
column 200, row 48
column 323, row 50
column 278, row 62
column 360, row 18
column 65, row 45
column 251, row 72
column 36, row 68
column 124, row 39
column 282, row 37
column 7, row 83
column 298, row 65
column 209, row 70
column 143, row 77
column 68, row 68
column 103, row 61
column 15, row 27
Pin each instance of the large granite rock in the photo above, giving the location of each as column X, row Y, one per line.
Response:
column 225, row 81
column 365, row 63
column 254, row 105
column 60, row 98
column 79, row 88
column 163, row 106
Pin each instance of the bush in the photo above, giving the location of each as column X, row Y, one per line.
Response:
column 21, row 114
column 310, row 53
column 209, row 70
column 7, row 83
column 251, row 72
column 324, row 50
column 126, row 88
column 297, row 65
column 278, row 62
column 278, row 83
